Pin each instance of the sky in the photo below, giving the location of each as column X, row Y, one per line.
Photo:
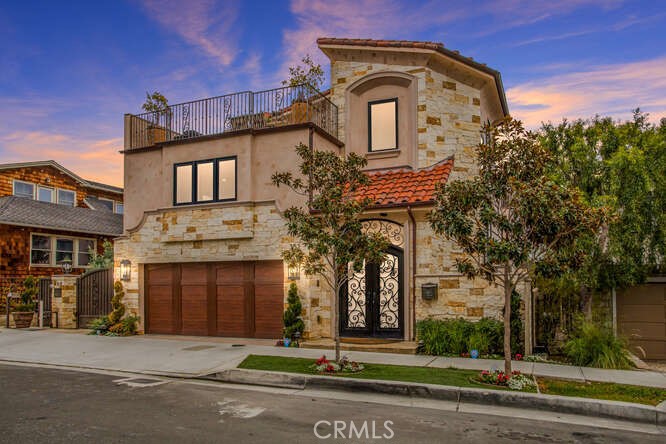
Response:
column 69, row 70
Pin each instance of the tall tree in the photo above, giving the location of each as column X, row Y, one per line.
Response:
column 512, row 221
column 331, row 236
column 308, row 72
column 619, row 165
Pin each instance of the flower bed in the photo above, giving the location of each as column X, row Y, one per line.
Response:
column 323, row 365
column 515, row 381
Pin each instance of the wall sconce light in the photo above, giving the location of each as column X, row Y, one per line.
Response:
column 125, row 270
column 429, row 291
column 66, row 266
column 294, row 271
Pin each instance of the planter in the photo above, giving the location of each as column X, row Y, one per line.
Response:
column 286, row 342
column 299, row 112
column 23, row 319
column 156, row 134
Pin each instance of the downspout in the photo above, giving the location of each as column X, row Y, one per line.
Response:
column 413, row 267
column 311, row 146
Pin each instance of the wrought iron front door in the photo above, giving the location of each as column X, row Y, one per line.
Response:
column 372, row 302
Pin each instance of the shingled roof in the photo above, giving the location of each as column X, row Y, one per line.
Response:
column 397, row 187
column 433, row 46
column 32, row 213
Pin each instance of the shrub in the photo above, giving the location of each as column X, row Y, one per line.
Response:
column 592, row 346
column 28, row 295
column 457, row 336
column 126, row 327
column 99, row 326
column 292, row 315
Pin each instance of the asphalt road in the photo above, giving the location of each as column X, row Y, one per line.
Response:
column 43, row 405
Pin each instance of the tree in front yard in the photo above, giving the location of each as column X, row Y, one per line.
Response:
column 329, row 231
column 512, row 221
column 293, row 323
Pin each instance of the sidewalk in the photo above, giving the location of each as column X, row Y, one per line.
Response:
column 195, row 356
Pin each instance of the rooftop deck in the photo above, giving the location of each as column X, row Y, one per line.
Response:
column 245, row 110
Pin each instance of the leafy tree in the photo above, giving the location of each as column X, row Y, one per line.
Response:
column 619, row 165
column 308, row 72
column 292, row 315
column 512, row 221
column 104, row 260
column 157, row 104
column 330, row 232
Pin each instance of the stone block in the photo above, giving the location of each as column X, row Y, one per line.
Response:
column 475, row 312
column 449, row 85
column 432, row 120
column 449, row 283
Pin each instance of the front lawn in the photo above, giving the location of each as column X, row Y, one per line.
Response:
column 427, row 375
column 602, row 390
column 463, row 378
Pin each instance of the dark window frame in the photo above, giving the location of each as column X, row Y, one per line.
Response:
column 216, row 185
column 377, row 102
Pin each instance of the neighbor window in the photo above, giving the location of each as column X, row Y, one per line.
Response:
column 67, row 197
column 50, row 250
column 120, row 208
column 203, row 181
column 24, row 189
column 106, row 203
column 383, row 125
column 45, row 194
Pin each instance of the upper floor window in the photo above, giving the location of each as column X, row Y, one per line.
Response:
column 66, row 197
column 45, row 194
column 120, row 208
column 107, row 203
column 383, row 125
column 24, row 189
column 212, row 180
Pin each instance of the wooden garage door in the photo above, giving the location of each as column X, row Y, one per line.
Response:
column 641, row 317
column 234, row 299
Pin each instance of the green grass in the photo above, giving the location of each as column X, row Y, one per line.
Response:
column 426, row 375
column 602, row 390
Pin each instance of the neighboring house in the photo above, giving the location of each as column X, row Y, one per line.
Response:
column 203, row 223
column 49, row 214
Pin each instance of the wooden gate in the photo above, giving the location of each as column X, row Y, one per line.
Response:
column 44, row 296
column 94, row 291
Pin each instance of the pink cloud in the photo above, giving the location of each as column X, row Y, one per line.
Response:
column 93, row 159
column 608, row 90
column 203, row 23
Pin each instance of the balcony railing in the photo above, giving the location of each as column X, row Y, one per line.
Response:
column 233, row 112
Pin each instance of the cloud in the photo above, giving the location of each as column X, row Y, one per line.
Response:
column 204, row 23
column 88, row 157
column 608, row 90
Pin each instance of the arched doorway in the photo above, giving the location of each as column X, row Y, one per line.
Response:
column 372, row 302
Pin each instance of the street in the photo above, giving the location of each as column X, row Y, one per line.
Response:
column 63, row 406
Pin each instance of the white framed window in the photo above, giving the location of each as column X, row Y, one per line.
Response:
column 67, row 197
column 24, row 189
column 45, row 194
column 383, row 125
column 49, row 250
column 120, row 208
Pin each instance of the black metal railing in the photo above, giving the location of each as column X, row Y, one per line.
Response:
column 233, row 112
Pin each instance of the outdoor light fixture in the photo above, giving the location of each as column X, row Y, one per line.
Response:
column 294, row 271
column 125, row 270
column 66, row 266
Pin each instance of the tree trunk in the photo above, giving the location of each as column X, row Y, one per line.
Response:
column 507, row 321
column 336, row 307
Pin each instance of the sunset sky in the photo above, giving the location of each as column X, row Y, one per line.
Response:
column 69, row 70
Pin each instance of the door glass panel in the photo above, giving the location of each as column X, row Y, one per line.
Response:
column 356, row 308
column 389, row 293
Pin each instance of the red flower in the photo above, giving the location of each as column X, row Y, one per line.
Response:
column 329, row 368
column 519, row 357
column 322, row 360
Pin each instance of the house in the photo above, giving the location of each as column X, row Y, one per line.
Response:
column 203, row 224
column 49, row 215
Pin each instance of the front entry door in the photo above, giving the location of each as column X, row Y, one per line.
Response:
column 372, row 302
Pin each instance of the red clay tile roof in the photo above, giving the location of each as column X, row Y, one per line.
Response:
column 434, row 46
column 403, row 186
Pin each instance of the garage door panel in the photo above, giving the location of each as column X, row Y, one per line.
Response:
column 641, row 315
column 159, row 299
column 268, row 299
column 650, row 294
column 194, row 309
column 648, row 349
column 270, row 272
column 232, row 272
column 232, row 311
column 643, row 330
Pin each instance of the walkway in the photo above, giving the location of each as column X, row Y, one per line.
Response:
column 192, row 356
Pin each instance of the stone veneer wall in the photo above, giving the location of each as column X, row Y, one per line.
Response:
column 457, row 295
column 222, row 233
column 448, row 112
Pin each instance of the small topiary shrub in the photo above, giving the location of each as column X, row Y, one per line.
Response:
column 292, row 316
column 592, row 346
column 28, row 295
column 116, row 303
column 116, row 323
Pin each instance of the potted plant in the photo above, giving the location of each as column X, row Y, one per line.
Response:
column 158, row 105
column 306, row 78
column 24, row 311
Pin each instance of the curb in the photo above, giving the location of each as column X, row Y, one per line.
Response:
column 617, row 410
